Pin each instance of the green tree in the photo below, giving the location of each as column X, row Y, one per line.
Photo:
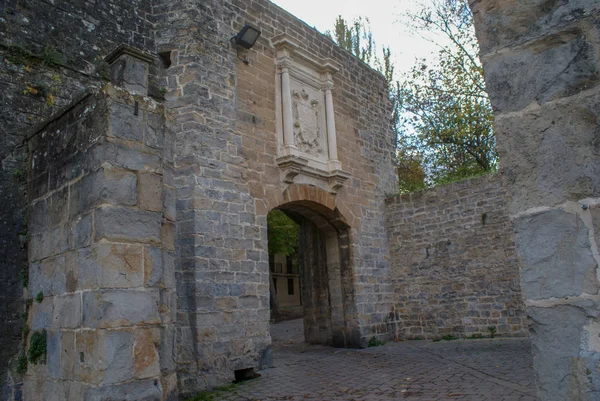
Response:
column 356, row 37
column 411, row 174
column 282, row 233
column 444, row 115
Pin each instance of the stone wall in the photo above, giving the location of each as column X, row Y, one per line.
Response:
column 223, row 115
column 542, row 69
column 49, row 53
column 101, row 252
column 224, row 179
column 454, row 264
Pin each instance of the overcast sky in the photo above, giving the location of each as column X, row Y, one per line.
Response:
column 386, row 23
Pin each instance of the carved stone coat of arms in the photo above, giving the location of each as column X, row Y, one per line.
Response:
column 307, row 124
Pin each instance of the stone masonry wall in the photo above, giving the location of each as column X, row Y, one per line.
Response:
column 542, row 69
column 454, row 264
column 222, row 114
column 101, row 252
column 50, row 51
column 365, row 144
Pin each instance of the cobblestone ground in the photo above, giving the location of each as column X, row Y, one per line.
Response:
column 472, row 370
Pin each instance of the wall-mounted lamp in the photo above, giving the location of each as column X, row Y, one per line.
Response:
column 246, row 37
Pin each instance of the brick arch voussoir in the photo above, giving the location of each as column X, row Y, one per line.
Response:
column 314, row 200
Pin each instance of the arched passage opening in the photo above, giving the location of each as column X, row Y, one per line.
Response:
column 326, row 282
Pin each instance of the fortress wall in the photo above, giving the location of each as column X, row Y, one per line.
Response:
column 455, row 268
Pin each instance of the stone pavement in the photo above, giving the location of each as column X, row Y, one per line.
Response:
column 471, row 370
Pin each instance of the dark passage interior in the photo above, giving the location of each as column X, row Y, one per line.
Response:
column 324, row 273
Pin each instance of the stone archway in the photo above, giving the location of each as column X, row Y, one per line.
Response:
column 326, row 276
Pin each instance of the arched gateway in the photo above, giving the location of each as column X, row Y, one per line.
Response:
column 326, row 274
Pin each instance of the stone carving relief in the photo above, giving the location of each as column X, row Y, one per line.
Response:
column 307, row 151
column 307, row 122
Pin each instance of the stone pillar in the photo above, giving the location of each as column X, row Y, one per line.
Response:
column 331, row 136
column 286, row 100
column 542, row 69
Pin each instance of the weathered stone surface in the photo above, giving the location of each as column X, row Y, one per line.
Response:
column 557, row 259
column 550, row 154
column 547, row 69
column 69, row 358
column 454, row 264
column 48, row 276
column 106, row 185
column 63, row 390
column 142, row 390
column 81, row 232
column 508, row 23
column 127, row 224
column 155, row 131
column 125, row 124
column 145, row 354
column 118, row 356
column 595, row 212
column 41, row 314
column 120, row 155
column 67, row 312
column 53, row 353
column 151, row 192
column 566, row 373
column 130, row 73
column 115, row 308
column 48, row 243
column 120, row 265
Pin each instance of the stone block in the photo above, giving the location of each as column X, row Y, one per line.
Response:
column 150, row 192
column 563, row 371
column 595, row 212
column 139, row 390
column 61, row 390
column 153, row 266
column 167, row 235
column 547, row 69
column 557, row 258
column 145, row 354
column 503, row 24
column 125, row 123
column 69, row 358
column 80, row 234
column 155, row 135
column 53, row 353
column 118, row 363
column 166, row 350
column 49, row 242
column 120, row 265
column 549, row 155
column 170, row 211
column 120, row 155
column 116, row 223
column 85, row 269
column 48, row 276
column 130, row 73
column 89, row 352
column 115, row 308
column 49, row 212
column 106, row 185
column 67, row 312
column 41, row 314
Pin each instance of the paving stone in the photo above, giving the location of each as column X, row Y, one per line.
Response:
column 467, row 370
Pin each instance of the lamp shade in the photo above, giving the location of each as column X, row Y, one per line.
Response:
column 246, row 37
